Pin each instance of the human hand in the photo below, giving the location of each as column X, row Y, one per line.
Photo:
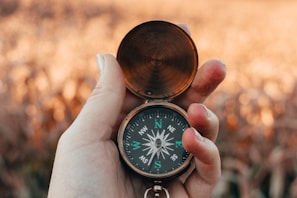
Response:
column 87, row 162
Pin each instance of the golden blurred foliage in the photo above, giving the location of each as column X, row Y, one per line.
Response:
column 48, row 69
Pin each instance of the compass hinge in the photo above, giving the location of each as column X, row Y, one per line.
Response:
column 157, row 100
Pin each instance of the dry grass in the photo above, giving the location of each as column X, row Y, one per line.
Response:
column 48, row 67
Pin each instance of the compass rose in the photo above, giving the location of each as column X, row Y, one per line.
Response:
column 157, row 144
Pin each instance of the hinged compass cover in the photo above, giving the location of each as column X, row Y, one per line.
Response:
column 159, row 60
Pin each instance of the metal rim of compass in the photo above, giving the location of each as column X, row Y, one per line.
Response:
column 163, row 176
column 159, row 60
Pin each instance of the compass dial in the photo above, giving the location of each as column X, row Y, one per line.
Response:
column 150, row 140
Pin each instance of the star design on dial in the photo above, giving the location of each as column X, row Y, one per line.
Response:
column 157, row 144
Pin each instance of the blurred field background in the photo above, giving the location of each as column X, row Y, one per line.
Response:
column 48, row 68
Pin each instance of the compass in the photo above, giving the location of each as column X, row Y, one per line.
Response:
column 152, row 140
column 159, row 61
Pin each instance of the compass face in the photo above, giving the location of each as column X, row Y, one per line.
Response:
column 150, row 141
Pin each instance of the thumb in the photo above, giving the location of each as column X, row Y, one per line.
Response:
column 99, row 115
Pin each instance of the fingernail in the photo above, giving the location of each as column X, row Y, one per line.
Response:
column 206, row 110
column 198, row 136
column 223, row 63
column 100, row 63
column 185, row 27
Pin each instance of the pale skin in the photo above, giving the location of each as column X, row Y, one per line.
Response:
column 87, row 162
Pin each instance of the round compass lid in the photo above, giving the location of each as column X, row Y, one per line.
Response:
column 159, row 60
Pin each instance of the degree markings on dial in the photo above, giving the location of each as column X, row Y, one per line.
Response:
column 130, row 128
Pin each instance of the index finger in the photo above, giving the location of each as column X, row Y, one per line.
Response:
column 207, row 79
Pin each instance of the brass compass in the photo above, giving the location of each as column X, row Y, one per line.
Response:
column 159, row 61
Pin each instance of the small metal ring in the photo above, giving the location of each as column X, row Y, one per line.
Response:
column 156, row 189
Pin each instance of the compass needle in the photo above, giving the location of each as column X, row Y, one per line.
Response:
column 152, row 157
